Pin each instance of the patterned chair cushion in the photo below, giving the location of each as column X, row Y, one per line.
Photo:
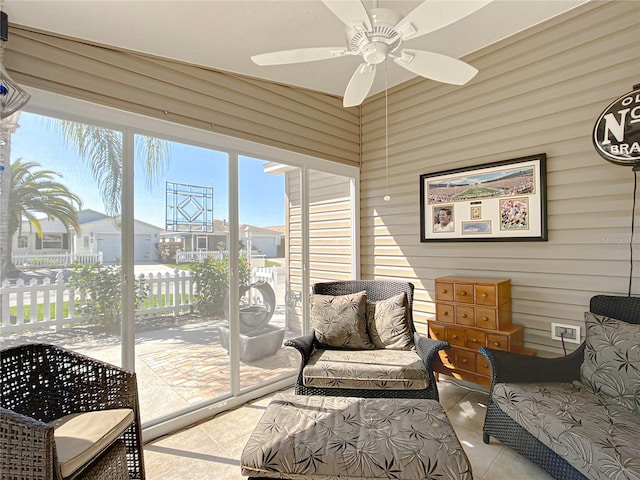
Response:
column 611, row 366
column 366, row 369
column 340, row 321
column 388, row 323
column 595, row 435
column 315, row 437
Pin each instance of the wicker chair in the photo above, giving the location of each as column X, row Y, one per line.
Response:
column 41, row 383
column 426, row 348
column 515, row 368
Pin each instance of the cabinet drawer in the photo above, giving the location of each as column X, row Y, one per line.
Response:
column 486, row 294
column 463, row 293
column 465, row 315
column 444, row 291
column 497, row 341
column 466, row 360
column 436, row 332
column 455, row 336
column 475, row 339
column 482, row 365
column 445, row 313
column 486, row 318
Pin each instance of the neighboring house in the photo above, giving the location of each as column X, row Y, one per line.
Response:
column 267, row 241
column 98, row 233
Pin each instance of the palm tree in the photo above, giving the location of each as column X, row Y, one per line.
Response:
column 34, row 192
column 101, row 149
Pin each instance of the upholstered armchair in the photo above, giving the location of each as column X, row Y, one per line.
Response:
column 67, row 416
column 363, row 343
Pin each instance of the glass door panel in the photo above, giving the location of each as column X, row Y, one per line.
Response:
column 61, row 199
column 330, row 227
column 264, row 323
column 181, row 255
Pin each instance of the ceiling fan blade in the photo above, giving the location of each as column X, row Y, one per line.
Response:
column 298, row 55
column 351, row 12
column 436, row 66
column 433, row 15
column 359, row 85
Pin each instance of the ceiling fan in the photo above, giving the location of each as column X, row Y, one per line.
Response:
column 380, row 33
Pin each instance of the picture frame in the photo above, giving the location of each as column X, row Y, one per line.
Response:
column 498, row 201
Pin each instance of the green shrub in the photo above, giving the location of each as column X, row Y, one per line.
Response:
column 211, row 278
column 99, row 293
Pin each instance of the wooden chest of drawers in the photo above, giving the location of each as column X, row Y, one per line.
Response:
column 473, row 313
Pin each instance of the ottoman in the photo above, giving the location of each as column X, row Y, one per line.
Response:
column 318, row 437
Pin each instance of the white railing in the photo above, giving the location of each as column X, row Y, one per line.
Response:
column 197, row 256
column 167, row 293
column 55, row 259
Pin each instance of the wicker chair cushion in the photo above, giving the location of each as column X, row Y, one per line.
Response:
column 80, row 437
column 388, row 323
column 351, row 438
column 340, row 321
column 611, row 366
column 598, row 437
column 366, row 370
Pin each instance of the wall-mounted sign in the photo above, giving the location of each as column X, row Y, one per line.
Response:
column 616, row 135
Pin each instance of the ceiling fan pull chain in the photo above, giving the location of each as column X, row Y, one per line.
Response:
column 387, row 197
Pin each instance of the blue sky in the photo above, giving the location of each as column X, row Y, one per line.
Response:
column 261, row 196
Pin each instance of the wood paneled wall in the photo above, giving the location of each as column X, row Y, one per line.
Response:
column 540, row 91
column 277, row 115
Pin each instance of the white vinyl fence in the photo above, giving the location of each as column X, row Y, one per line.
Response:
column 169, row 293
column 55, row 260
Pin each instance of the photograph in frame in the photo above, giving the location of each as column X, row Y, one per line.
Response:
column 497, row 201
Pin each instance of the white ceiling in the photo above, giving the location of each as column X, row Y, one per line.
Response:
column 223, row 34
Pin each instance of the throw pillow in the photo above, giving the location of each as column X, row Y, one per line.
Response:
column 388, row 323
column 339, row 321
column 611, row 366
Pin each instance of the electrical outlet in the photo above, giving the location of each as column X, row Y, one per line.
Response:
column 570, row 333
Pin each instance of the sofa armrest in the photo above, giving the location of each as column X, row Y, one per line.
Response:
column 511, row 367
column 304, row 344
column 428, row 348
column 26, row 446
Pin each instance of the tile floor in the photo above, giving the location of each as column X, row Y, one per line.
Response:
column 211, row 450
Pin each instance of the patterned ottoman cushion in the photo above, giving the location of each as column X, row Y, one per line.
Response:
column 318, row 437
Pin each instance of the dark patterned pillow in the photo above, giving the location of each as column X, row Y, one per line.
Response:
column 340, row 321
column 388, row 323
column 611, row 366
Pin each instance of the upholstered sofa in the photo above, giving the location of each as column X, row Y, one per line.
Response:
column 364, row 344
column 577, row 416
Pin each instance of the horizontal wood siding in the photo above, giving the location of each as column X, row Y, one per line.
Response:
column 540, row 91
column 281, row 116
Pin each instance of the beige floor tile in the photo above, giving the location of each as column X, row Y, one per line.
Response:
column 510, row 465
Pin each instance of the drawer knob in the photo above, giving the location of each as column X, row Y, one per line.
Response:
column 485, row 319
column 484, row 295
column 445, row 313
column 474, row 340
column 464, row 360
column 444, row 291
column 455, row 337
column 486, row 365
column 463, row 293
column 464, row 315
column 496, row 344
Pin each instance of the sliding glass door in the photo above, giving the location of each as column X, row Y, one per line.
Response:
column 186, row 256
